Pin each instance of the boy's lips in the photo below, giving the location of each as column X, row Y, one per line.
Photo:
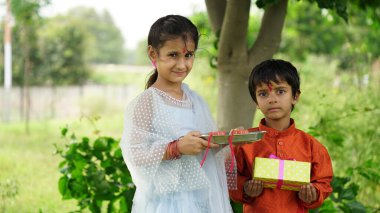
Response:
column 273, row 109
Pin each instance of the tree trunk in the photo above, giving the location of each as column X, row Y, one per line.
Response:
column 236, row 60
column 235, row 105
column 27, row 73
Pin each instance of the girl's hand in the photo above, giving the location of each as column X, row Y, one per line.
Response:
column 192, row 144
column 253, row 188
column 308, row 193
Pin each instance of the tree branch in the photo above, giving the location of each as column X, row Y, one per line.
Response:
column 233, row 38
column 215, row 11
column 269, row 37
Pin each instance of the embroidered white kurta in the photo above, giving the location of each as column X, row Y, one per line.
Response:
column 154, row 119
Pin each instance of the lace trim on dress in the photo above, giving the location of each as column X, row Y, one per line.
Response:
column 185, row 102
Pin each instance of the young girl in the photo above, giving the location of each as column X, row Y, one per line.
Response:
column 161, row 143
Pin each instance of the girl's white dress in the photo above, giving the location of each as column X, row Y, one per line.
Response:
column 154, row 119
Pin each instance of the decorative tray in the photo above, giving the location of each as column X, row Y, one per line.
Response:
column 249, row 137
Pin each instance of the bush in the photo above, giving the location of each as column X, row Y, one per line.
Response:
column 94, row 173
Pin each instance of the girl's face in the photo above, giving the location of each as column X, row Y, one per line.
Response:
column 275, row 100
column 174, row 60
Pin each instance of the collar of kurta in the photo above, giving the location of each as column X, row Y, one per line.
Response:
column 275, row 133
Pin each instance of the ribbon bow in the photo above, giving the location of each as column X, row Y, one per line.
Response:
column 280, row 181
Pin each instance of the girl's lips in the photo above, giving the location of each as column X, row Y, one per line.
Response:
column 180, row 73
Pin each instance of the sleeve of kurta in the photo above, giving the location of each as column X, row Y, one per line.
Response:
column 149, row 128
column 243, row 175
column 145, row 140
column 321, row 175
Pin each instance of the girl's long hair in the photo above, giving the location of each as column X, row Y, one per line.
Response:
column 167, row 28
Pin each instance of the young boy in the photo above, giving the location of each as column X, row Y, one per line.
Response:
column 275, row 87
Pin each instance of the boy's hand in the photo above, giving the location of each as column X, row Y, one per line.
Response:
column 192, row 144
column 308, row 193
column 253, row 188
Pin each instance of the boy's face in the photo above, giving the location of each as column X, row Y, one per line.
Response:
column 275, row 100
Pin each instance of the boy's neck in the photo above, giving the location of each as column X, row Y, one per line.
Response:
column 279, row 125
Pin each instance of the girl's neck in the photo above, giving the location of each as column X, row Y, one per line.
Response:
column 279, row 125
column 174, row 90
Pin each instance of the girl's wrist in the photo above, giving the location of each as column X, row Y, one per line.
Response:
column 172, row 152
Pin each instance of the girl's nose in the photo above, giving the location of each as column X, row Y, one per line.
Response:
column 181, row 63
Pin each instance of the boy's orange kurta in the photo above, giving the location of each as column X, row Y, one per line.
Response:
column 291, row 143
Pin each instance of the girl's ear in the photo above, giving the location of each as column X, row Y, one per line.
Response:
column 152, row 53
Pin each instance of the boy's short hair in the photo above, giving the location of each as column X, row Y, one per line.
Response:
column 275, row 70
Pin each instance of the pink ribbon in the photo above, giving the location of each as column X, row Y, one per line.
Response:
column 280, row 181
column 230, row 138
column 208, row 144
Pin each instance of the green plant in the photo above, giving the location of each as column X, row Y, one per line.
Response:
column 95, row 174
column 8, row 191
column 343, row 198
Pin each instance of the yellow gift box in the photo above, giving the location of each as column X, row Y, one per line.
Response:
column 281, row 174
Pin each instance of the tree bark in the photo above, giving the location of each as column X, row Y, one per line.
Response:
column 215, row 11
column 235, row 60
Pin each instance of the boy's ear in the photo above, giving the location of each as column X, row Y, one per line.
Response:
column 296, row 97
column 152, row 53
column 256, row 105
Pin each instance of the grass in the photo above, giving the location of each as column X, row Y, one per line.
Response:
column 29, row 160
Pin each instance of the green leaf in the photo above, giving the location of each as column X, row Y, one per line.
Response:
column 64, row 131
column 327, row 207
column 101, row 144
column 356, row 207
column 63, row 187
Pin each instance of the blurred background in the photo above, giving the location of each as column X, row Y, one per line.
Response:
column 77, row 64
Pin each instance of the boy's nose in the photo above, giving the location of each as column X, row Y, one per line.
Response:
column 272, row 98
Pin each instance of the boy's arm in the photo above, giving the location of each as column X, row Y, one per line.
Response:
column 321, row 176
column 238, row 195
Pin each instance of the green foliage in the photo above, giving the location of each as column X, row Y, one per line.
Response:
column 310, row 30
column 62, row 45
column 46, row 51
column 208, row 44
column 349, row 129
column 8, row 191
column 106, row 43
column 25, row 38
column 94, row 174
column 208, row 41
column 340, row 7
column 343, row 198
column 56, row 51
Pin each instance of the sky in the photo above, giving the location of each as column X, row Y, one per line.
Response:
column 133, row 17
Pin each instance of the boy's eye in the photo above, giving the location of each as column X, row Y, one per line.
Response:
column 262, row 94
column 281, row 91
